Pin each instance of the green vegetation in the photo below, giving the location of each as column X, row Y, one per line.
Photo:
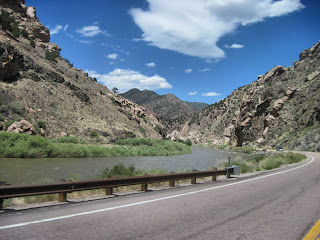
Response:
column 15, row 145
column 51, row 56
column 93, row 134
column 244, row 149
column 68, row 139
column 32, row 43
column 267, row 162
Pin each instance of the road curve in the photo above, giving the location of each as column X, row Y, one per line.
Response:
column 277, row 204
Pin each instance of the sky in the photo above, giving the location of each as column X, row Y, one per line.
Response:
column 198, row 50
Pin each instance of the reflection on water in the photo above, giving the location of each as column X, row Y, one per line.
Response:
column 35, row 170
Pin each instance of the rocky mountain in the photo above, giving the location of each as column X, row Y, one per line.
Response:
column 170, row 109
column 280, row 108
column 41, row 87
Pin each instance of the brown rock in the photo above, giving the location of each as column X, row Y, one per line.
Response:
column 30, row 111
column 22, row 127
column 42, row 132
column 63, row 134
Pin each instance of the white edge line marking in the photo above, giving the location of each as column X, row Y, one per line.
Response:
column 148, row 201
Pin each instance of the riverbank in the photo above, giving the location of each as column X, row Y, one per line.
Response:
column 15, row 145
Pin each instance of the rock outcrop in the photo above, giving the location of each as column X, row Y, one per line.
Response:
column 281, row 108
column 22, row 126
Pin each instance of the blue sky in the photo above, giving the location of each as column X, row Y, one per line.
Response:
column 198, row 50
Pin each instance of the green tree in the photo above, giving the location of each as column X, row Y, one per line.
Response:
column 115, row 90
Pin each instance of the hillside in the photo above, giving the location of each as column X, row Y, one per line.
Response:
column 281, row 108
column 38, row 85
column 169, row 108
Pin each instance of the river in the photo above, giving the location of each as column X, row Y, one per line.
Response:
column 39, row 170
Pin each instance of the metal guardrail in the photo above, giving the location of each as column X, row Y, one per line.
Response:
column 62, row 188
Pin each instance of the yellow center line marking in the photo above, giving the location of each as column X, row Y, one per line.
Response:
column 314, row 232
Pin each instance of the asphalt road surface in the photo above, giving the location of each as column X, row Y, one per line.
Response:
column 278, row 204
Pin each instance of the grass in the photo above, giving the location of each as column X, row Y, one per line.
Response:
column 244, row 149
column 267, row 162
column 15, row 145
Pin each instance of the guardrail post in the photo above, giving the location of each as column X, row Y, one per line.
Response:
column 171, row 183
column 144, row 187
column 214, row 177
column 109, row 191
column 1, row 204
column 63, row 197
column 228, row 173
column 194, row 180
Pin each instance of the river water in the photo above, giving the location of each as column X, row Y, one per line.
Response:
column 37, row 170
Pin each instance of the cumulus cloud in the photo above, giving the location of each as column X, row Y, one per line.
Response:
column 235, row 45
column 188, row 70
column 126, row 79
column 112, row 56
column 56, row 29
column 91, row 31
column 151, row 64
column 211, row 94
column 194, row 27
column 192, row 93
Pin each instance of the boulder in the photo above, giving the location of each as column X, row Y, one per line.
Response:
column 30, row 111
column 22, row 127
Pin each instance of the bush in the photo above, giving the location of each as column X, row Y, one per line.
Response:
column 32, row 43
column 15, row 29
column 188, row 142
column 42, row 125
column 93, row 134
column 6, row 20
column 68, row 139
column 51, row 56
column 24, row 33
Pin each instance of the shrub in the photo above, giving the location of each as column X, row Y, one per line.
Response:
column 68, row 139
column 15, row 30
column 93, row 134
column 24, row 33
column 32, row 43
column 188, row 142
column 42, row 125
column 77, row 76
column 51, row 56
column 6, row 20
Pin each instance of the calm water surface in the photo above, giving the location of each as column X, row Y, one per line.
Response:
column 36, row 170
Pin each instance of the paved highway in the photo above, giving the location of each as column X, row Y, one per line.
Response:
column 278, row 204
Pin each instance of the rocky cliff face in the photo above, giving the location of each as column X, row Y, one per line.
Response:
column 38, row 85
column 281, row 108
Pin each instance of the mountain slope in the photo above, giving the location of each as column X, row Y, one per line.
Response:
column 168, row 107
column 38, row 85
column 281, row 108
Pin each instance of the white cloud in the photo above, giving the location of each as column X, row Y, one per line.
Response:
column 84, row 41
column 211, row 94
column 112, row 56
column 56, row 29
column 235, row 45
column 91, row 31
column 65, row 27
column 137, row 39
column 126, row 79
column 151, row 64
column 192, row 93
column 205, row 70
column 194, row 27
column 188, row 70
